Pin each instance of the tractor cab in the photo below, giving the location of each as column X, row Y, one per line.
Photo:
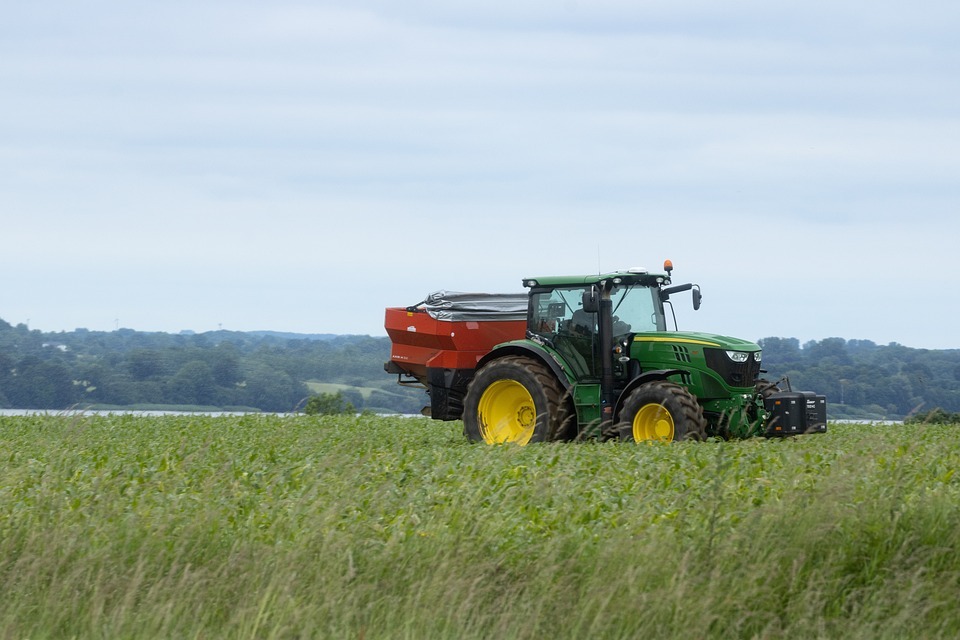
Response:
column 565, row 314
column 610, row 335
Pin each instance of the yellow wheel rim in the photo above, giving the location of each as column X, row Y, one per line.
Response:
column 653, row 422
column 506, row 413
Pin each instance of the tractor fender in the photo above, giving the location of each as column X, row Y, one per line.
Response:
column 529, row 350
column 643, row 378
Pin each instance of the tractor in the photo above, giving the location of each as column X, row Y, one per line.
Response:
column 589, row 357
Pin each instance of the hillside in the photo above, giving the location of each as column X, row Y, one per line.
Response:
column 268, row 371
column 223, row 369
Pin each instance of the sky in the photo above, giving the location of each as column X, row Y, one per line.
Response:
column 169, row 166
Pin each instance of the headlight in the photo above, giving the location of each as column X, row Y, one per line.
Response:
column 756, row 356
column 738, row 356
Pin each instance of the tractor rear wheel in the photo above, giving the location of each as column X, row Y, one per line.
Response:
column 512, row 399
column 662, row 411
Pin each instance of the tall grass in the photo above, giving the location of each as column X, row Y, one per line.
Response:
column 272, row 527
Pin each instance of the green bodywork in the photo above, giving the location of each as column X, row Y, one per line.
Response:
column 702, row 362
column 732, row 408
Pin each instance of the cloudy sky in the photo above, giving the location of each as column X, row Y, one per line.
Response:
column 300, row 166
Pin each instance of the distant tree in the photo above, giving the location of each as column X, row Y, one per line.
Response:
column 934, row 416
column 833, row 350
column 193, row 384
column 861, row 346
column 785, row 352
column 6, row 367
column 328, row 404
column 37, row 384
column 150, row 392
column 270, row 389
column 145, row 364
column 116, row 390
column 225, row 364
column 354, row 397
column 6, row 371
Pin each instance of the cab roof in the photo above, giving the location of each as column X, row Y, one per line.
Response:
column 629, row 277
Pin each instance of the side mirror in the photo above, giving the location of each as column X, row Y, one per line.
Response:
column 696, row 297
column 665, row 293
column 591, row 300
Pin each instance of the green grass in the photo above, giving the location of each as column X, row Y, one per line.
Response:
column 340, row 527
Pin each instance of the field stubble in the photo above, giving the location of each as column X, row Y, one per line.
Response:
column 365, row 527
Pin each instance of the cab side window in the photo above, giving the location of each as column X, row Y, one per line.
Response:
column 559, row 317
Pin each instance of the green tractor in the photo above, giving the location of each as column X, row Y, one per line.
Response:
column 596, row 360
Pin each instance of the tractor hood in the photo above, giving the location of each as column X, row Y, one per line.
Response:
column 723, row 363
column 695, row 338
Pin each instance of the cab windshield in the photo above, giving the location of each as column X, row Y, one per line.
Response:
column 558, row 316
column 635, row 309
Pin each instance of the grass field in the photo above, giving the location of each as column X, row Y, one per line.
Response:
column 340, row 527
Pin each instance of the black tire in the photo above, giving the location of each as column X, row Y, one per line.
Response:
column 567, row 425
column 512, row 399
column 661, row 410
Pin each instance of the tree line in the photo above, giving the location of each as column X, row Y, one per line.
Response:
column 862, row 379
column 223, row 369
column 273, row 372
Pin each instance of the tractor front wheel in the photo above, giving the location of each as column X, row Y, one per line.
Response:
column 661, row 411
column 512, row 399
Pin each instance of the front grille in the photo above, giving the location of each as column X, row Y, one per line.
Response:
column 735, row 374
